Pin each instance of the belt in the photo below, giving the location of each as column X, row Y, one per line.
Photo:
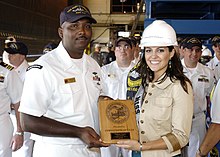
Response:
column 197, row 114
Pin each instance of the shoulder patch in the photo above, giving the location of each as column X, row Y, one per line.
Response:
column 7, row 66
column 34, row 66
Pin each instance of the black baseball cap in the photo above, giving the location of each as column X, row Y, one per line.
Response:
column 216, row 40
column 74, row 13
column 16, row 48
column 191, row 42
column 50, row 46
column 125, row 39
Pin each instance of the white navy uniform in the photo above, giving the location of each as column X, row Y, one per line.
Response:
column 66, row 90
column 10, row 93
column 115, row 86
column 214, row 64
column 21, row 70
column 27, row 148
column 215, row 109
column 5, row 57
column 203, row 80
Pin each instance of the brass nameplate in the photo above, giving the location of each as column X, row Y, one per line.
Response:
column 117, row 120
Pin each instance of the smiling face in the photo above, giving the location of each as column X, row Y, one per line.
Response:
column 76, row 36
column 216, row 49
column 192, row 56
column 157, row 59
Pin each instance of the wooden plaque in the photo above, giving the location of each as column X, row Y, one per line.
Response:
column 117, row 120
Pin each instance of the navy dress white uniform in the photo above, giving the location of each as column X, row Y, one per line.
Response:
column 115, row 84
column 27, row 148
column 115, row 80
column 210, row 144
column 21, row 70
column 66, row 90
column 202, row 79
column 17, row 54
column 10, row 93
column 214, row 64
column 215, row 110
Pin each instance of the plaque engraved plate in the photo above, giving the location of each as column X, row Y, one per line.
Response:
column 117, row 120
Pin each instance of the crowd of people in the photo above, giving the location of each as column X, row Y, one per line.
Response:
column 50, row 108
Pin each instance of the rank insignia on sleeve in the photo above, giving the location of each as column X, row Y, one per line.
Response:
column 70, row 80
column 34, row 66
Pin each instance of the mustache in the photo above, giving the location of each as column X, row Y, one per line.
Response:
column 82, row 37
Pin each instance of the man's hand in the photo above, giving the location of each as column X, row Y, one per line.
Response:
column 91, row 138
column 105, row 98
column 17, row 142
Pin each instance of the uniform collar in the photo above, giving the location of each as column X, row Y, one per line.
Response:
column 216, row 61
column 127, row 68
column 65, row 58
column 164, row 84
column 23, row 66
column 198, row 67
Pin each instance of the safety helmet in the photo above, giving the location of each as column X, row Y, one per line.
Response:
column 158, row 33
column 206, row 51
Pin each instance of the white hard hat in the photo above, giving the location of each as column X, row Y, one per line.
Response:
column 10, row 39
column 158, row 33
column 206, row 51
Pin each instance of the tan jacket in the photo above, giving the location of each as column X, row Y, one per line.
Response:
column 166, row 113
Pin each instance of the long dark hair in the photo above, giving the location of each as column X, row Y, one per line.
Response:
column 175, row 72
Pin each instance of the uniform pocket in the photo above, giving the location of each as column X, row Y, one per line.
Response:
column 69, row 88
column 162, row 108
column 69, row 94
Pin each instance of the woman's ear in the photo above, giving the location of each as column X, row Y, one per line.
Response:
column 172, row 53
column 60, row 32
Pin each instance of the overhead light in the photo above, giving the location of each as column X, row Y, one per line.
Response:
column 124, row 34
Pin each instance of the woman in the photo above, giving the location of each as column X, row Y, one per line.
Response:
column 166, row 112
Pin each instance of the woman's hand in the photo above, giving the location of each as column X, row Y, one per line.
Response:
column 129, row 144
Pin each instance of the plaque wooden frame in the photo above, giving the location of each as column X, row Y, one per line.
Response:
column 117, row 120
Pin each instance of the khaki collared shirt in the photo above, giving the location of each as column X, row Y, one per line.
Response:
column 166, row 113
